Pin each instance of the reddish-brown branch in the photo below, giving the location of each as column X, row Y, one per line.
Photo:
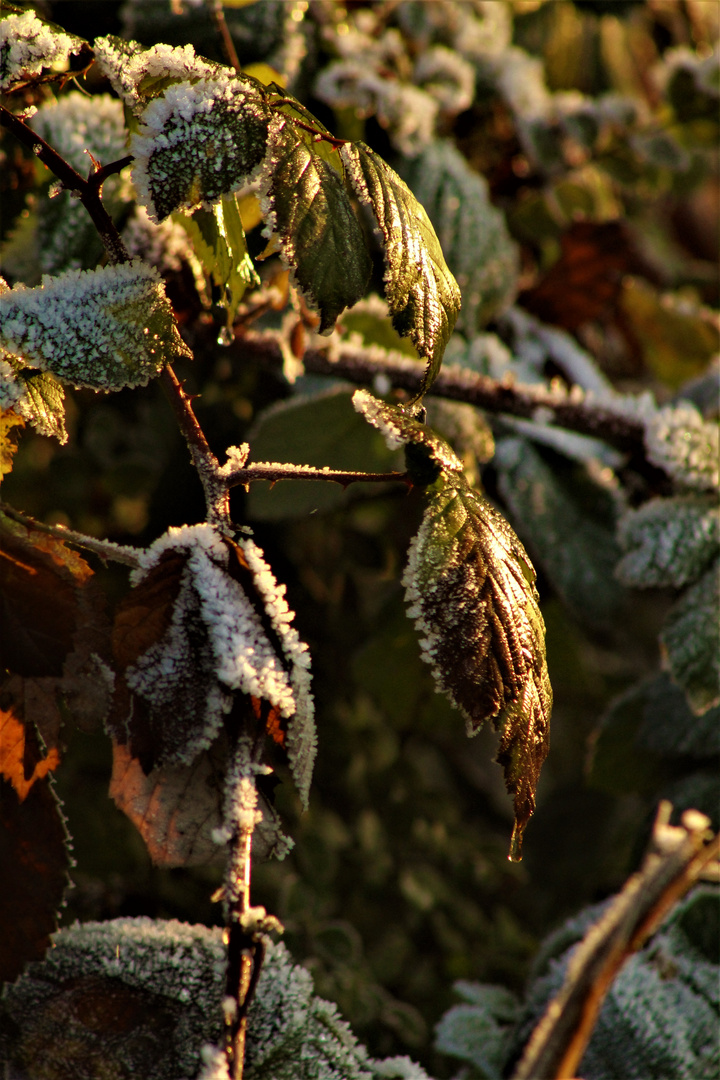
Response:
column 272, row 472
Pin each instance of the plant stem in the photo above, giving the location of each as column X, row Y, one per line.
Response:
column 218, row 14
column 677, row 858
column 270, row 471
column 104, row 549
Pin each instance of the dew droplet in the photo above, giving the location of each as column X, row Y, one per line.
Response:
column 225, row 336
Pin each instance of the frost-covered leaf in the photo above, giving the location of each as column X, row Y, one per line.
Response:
column 567, row 521
column 477, row 1031
column 691, row 641
column 687, row 447
column 471, row 232
column 668, row 542
column 139, row 74
column 165, row 979
column 106, row 329
column 471, row 590
column 198, row 141
column 670, row 728
column 307, row 206
column 206, row 618
column 660, row 1016
column 37, row 397
column 218, row 240
column 28, row 45
column 422, row 294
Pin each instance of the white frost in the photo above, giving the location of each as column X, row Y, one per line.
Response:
column 27, row 46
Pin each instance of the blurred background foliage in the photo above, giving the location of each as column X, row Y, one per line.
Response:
column 568, row 155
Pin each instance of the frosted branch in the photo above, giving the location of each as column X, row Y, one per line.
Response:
column 677, row 858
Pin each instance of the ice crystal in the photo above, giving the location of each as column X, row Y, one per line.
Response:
column 75, row 123
column 136, row 72
column 27, row 45
column 105, row 329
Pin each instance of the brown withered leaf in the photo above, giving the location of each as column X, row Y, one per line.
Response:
column 585, row 284
column 21, row 764
column 33, row 848
column 173, row 807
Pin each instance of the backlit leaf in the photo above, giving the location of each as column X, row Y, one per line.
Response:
column 307, row 206
column 35, row 396
column 471, row 590
column 471, row 231
column 105, row 329
column 422, row 294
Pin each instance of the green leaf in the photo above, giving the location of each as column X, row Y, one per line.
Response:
column 218, row 239
column 471, row 590
column 307, row 206
column 691, row 642
column 471, row 232
column 104, row 329
column 422, row 294
column 668, row 542
column 138, row 73
column 568, row 521
column 197, row 141
column 476, row 1032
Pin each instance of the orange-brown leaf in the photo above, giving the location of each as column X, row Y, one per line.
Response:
column 144, row 615
column 20, row 763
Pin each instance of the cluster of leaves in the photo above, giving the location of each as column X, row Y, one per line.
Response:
column 404, row 841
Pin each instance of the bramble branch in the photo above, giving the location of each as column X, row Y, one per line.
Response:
column 274, row 472
column 493, row 395
column 677, row 858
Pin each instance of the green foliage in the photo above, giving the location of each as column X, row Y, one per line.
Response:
column 421, row 292
column 691, row 637
column 472, row 233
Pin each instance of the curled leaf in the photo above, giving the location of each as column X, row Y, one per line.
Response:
column 422, row 294
column 28, row 45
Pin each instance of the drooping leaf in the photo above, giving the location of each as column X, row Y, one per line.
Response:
column 41, row 605
column 29, row 44
column 422, row 294
column 472, row 233
column 307, row 206
column 35, row 859
column 471, row 590
column 567, row 521
column 668, row 542
column 690, row 641
column 106, row 329
column 218, row 240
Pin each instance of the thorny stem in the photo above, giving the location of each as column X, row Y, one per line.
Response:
column 677, row 859
column 493, row 395
column 88, row 191
column 265, row 471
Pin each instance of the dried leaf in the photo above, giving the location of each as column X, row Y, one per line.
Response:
column 10, row 422
column 15, row 761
